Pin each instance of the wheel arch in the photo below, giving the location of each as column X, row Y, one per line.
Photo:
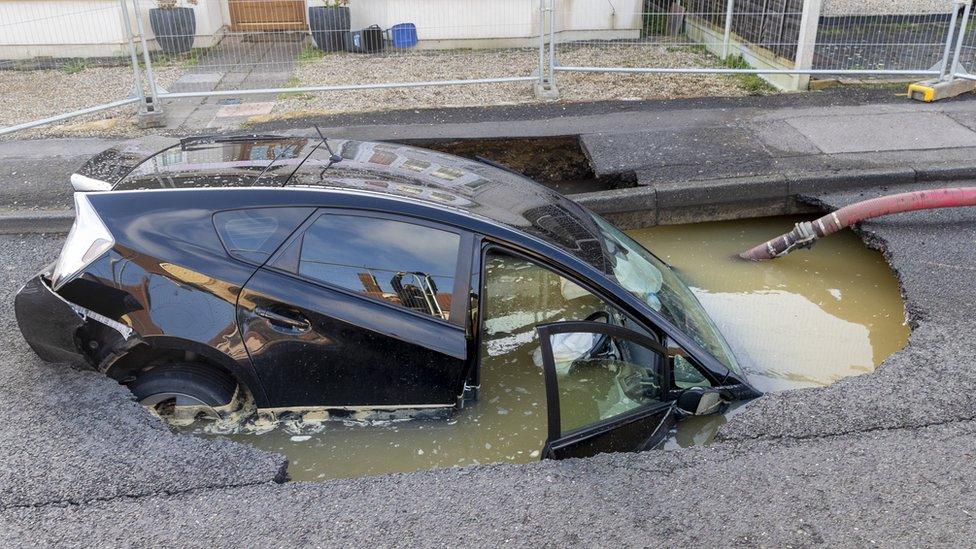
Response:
column 156, row 350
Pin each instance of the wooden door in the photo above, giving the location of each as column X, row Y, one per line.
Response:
column 267, row 15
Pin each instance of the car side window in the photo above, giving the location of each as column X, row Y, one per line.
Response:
column 599, row 377
column 410, row 265
column 520, row 294
column 252, row 235
column 685, row 373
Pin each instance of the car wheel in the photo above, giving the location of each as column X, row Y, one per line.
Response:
column 186, row 392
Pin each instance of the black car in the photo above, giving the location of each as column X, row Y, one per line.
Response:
column 291, row 273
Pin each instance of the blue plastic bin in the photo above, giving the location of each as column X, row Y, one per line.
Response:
column 403, row 35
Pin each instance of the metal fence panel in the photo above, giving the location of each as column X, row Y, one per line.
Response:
column 60, row 61
column 882, row 42
column 965, row 60
column 773, row 25
column 260, row 47
column 768, row 37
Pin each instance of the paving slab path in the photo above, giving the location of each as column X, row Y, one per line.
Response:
column 236, row 63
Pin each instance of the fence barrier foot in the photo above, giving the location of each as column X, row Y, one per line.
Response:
column 934, row 90
column 546, row 91
column 824, row 83
column 150, row 116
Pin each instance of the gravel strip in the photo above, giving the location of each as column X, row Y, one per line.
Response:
column 420, row 65
column 884, row 7
column 31, row 95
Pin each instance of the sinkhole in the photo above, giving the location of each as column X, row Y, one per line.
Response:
column 805, row 320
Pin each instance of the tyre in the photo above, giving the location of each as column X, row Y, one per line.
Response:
column 186, row 391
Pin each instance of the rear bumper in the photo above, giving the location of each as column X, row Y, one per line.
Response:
column 53, row 326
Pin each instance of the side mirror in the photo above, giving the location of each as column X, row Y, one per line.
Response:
column 85, row 184
column 700, row 401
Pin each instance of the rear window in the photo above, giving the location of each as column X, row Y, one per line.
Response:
column 253, row 235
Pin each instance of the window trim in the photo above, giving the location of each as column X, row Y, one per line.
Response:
column 462, row 267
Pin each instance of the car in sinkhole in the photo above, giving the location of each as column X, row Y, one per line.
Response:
column 302, row 273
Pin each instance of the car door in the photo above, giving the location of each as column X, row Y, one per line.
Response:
column 358, row 310
column 607, row 389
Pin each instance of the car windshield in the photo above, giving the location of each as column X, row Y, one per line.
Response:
column 651, row 280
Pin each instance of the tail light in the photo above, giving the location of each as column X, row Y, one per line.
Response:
column 88, row 240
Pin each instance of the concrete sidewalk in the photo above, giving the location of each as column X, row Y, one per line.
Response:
column 733, row 156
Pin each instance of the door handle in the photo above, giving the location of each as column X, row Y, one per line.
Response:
column 295, row 321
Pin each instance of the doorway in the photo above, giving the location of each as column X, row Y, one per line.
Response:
column 267, row 15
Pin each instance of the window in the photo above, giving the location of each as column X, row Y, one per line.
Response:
column 410, row 265
column 253, row 235
column 600, row 377
column 520, row 294
column 686, row 375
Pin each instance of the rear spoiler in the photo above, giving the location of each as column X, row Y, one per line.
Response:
column 84, row 184
column 113, row 164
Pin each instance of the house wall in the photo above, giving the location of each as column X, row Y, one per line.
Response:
column 499, row 23
column 598, row 19
column 85, row 28
column 451, row 20
column 94, row 28
column 74, row 28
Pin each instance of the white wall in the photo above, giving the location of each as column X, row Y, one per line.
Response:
column 72, row 28
column 93, row 28
column 85, row 28
column 451, row 19
column 499, row 23
column 584, row 15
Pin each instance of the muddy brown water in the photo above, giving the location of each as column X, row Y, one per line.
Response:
column 805, row 320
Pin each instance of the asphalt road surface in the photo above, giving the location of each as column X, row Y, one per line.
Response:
column 887, row 458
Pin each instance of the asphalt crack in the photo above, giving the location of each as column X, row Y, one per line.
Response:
column 854, row 432
column 69, row 502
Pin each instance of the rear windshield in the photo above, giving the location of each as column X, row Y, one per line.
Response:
column 226, row 164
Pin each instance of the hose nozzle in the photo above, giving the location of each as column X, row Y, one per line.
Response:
column 803, row 235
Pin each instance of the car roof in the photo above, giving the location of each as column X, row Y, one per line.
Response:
column 377, row 168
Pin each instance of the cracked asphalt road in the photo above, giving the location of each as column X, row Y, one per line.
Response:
column 72, row 436
column 885, row 458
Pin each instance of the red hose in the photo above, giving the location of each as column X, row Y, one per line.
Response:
column 805, row 234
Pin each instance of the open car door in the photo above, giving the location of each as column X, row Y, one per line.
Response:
column 606, row 389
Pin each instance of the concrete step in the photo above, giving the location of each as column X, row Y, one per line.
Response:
column 35, row 221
